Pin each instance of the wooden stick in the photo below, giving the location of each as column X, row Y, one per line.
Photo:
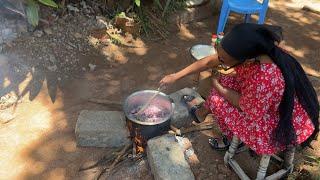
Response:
column 116, row 160
column 175, row 130
column 121, row 154
column 201, row 127
column 104, row 159
column 148, row 102
column 110, row 155
column 310, row 9
column 196, row 128
column 158, row 25
column 153, row 17
column 313, row 75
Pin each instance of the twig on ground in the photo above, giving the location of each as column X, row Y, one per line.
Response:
column 199, row 127
column 196, row 128
column 311, row 9
column 119, row 157
column 313, row 75
column 110, row 155
column 159, row 27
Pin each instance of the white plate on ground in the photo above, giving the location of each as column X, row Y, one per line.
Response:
column 200, row 51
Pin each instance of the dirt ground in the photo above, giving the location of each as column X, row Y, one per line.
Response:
column 39, row 143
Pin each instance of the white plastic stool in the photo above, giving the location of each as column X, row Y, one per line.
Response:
column 264, row 163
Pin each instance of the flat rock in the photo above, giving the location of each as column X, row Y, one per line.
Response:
column 101, row 129
column 181, row 116
column 166, row 159
column 193, row 14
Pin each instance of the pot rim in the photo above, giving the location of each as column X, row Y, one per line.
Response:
column 148, row 123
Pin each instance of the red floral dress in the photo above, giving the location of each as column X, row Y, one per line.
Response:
column 261, row 86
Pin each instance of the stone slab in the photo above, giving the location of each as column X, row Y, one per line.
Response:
column 194, row 14
column 166, row 159
column 181, row 116
column 101, row 129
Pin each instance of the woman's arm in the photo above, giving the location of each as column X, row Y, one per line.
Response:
column 230, row 95
column 198, row 66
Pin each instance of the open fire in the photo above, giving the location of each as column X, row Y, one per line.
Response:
column 139, row 142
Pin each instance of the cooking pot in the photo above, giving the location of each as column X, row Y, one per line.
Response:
column 148, row 127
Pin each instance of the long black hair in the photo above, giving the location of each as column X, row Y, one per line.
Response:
column 247, row 41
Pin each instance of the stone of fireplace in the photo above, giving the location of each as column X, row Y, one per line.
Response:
column 167, row 160
column 101, row 129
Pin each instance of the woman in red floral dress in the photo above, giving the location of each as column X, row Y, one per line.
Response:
column 268, row 102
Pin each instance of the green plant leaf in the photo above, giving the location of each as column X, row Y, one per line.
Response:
column 32, row 11
column 49, row 3
column 137, row 2
column 166, row 7
column 121, row 15
column 158, row 4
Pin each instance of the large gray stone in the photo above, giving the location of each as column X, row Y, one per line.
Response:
column 193, row 14
column 181, row 116
column 166, row 159
column 101, row 129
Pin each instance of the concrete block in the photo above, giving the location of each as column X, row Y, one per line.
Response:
column 101, row 129
column 166, row 159
column 181, row 116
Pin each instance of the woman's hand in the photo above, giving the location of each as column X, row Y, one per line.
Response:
column 168, row 80
column 230, row 95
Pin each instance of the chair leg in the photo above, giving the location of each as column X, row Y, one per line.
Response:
column 262, row 16
column 247, row 18
column 288, row 158
column 264, row 163
column 232, row 149
column 223, row 17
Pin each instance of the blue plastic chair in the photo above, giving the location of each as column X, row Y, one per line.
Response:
column 246, row 7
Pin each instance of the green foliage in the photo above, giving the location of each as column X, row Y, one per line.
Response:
column 121, row 15
column 137, row 2
column 157, row 2
column 49, row 3
column 32, row 10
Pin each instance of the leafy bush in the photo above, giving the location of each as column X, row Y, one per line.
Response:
column 32, row 10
